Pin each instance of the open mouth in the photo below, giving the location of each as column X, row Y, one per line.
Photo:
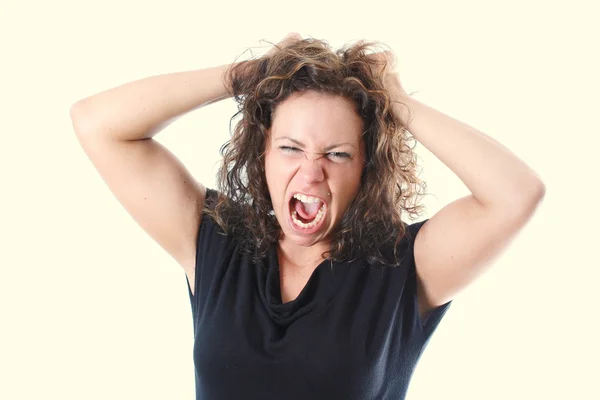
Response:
column 307, row 212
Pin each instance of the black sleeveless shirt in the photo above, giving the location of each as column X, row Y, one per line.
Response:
column 354, row 332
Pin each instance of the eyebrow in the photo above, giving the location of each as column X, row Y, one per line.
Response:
column 333, row 146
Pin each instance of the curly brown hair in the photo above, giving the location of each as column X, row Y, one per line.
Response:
column 389, row 184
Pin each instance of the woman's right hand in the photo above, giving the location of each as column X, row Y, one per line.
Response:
column 287, row 40
column 242, row 72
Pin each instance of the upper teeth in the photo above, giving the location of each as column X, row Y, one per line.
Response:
column 307, row 199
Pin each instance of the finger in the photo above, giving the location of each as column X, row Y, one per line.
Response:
column 291, row 37
column 390, row 58
column 384, row 59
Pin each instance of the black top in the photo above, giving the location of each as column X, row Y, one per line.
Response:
column 353, row 332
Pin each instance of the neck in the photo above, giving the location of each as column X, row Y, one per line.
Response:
column 300, row 257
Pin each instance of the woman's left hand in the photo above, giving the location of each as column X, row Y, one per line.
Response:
column 386, row 64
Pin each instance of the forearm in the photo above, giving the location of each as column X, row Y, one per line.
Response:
column 140, row 109
column 494, row 175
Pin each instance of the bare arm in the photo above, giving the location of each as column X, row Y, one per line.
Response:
column 140, row 109
column 115, row 129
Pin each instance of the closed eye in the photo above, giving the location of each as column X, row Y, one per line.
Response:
column 289, row 149
column 339, row 155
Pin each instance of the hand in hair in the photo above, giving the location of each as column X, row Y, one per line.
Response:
column 246, row 68
column 385, row 64
column 288, row 39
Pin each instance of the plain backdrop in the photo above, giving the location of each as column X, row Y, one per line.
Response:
column 92, row 308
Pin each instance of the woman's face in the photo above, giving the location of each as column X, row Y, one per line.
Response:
column 313, row 164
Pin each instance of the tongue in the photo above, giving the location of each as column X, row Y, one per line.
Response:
column 307, row 211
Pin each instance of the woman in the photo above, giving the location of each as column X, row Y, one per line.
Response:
column 303, row 279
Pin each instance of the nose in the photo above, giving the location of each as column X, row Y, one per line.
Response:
column 311, row 170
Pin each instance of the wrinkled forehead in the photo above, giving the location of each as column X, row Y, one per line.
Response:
column 317, row 119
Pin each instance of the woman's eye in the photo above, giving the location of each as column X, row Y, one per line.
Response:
column 337, row 155
column 288, row 149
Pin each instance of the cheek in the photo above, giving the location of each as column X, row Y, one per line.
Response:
column 278, row 175
column 348, row 180
column 270, row 175
column 346, row 186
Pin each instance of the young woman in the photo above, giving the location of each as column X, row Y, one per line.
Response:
column 304, row 280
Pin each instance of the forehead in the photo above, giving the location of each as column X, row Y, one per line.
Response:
column 316, row 118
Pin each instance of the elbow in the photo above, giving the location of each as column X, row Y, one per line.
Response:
column 525, row 201
column 533, row 190
column 532, row 199
column 538, row 191
column 76, row 109
column 78, row 118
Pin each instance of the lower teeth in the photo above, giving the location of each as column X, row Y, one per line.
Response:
column 311, row 224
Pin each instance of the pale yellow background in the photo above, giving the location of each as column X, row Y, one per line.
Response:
column 91, row 308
